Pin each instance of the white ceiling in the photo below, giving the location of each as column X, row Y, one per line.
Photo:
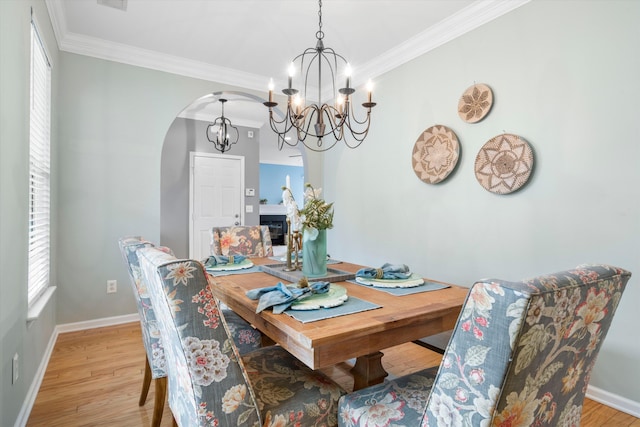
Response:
column 246, row 42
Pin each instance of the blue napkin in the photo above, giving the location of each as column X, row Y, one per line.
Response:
column 387, row 271
column 280, row 297
column 215, row 260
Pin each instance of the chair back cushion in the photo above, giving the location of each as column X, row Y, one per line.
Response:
column 208, row 384
column 521, row 353
column 150, row 332
column 252, row 241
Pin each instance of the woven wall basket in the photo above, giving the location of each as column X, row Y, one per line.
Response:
column 504, row 164
column 435, row 154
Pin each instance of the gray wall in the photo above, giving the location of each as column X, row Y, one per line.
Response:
column 183, row 137
column 565, row 78
column 29, row 341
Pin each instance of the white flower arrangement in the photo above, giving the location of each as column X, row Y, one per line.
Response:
column 316, row 214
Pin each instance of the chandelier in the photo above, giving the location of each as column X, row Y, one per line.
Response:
column 333, row 120
column 218, row 132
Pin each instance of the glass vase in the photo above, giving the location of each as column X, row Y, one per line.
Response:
column 314, row 253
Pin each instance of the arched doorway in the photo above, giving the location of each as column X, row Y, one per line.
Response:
column 187, row 133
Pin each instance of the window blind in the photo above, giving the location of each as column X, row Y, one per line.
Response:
column 39, row 169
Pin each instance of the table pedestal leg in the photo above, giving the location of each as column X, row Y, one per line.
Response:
column 368, row 371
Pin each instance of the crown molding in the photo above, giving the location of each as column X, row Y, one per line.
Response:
column 458, row 24
column 479, row 13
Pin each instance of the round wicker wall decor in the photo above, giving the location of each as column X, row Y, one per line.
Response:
column 504, row 164
column 435, row 154
column 475, row 103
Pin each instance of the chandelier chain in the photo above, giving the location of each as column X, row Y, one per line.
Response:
column 320, row 33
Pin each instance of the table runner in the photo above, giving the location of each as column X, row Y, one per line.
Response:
column 428, row 286
column 350, row 306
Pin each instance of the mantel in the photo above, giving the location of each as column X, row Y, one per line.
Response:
column 273, row 210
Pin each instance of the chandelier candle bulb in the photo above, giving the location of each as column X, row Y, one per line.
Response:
column 340, row 104
column 292, row 71
column 347, row 72
column 297, row 101
column 271, row 86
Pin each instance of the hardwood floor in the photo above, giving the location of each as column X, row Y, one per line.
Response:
column 94, row 378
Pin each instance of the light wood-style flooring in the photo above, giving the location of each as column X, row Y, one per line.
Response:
column 94, row 379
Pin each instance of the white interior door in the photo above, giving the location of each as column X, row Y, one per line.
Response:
column 215, row 198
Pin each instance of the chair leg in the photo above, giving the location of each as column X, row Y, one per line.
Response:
column 158, row 403
column 146, row 382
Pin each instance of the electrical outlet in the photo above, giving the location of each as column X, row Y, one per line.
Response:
column 15, row 366
column 112, row 286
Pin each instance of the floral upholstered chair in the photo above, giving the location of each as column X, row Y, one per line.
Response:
column 247, row 338
column 210, row 383
column 155, row 363
column 251, row 241
column 521, row 354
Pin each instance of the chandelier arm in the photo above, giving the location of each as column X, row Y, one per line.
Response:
column 315, row 57
column 355, row 119
column 274, row 124
column 273, row 121
column 332, row 71
column 357, row 133
column 320, row 150
column 303, row 130
column 336, row 129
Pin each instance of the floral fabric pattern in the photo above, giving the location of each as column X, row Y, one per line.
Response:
column 150, row 332
column 210, row 383
column 252, row 241
column 392, row 403
column 247, row 338
column 290, row 391
column 521, row 355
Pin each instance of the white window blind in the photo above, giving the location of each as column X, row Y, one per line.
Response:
column 39, row 169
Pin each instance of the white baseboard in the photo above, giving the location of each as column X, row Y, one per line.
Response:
column 97, row 323
column 32, row 393
column 614, row 401
column 30, row 398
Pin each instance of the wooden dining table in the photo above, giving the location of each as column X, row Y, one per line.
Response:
column 362, row 335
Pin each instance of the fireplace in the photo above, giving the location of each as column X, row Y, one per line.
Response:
column 277, row 226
